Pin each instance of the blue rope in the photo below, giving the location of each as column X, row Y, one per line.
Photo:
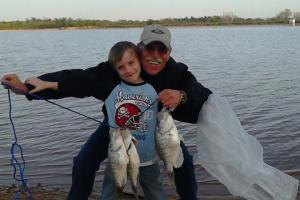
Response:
column 18, row 166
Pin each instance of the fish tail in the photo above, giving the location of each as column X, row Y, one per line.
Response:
column 135, row 191
column 171, row 178
column 134, row 188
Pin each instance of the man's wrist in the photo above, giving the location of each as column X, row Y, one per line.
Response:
column 53, row 85
column 183, row 97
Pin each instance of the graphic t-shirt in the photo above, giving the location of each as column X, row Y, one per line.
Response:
column 131, row 106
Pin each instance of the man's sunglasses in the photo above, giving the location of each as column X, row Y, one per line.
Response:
column 160, row 48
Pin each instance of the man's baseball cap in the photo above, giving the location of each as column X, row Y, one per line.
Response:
column 155, row 32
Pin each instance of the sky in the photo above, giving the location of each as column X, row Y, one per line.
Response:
column 11, row 10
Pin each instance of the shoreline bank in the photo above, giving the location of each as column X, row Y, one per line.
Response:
column 40, row 192
column 133, row 27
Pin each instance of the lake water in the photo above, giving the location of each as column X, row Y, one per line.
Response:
column 256, row 68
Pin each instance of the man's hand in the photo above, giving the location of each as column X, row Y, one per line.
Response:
column 40, row 84
column 13, row 82
column 170, row 98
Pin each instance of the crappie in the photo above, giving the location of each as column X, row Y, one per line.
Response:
column 134, row 160
column 167, row 142
column 118, row 159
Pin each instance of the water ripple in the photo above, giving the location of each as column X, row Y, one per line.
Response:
column 255, row 69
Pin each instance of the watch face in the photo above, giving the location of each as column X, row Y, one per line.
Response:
column 183, row 97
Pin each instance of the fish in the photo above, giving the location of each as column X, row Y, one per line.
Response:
column 117, row 160
column 167, row 142
column 134, row 160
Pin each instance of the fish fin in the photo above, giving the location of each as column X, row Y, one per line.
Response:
column 179, row 160
column 135, row 141
column 181, row 137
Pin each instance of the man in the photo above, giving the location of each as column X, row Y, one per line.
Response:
column 177, row 89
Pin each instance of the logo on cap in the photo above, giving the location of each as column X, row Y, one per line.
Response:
column 157, row 31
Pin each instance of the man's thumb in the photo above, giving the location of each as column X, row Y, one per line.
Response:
column 33, row 91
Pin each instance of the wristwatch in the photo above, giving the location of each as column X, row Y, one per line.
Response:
column 183, row 97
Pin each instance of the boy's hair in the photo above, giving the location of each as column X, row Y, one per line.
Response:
column 117, row 51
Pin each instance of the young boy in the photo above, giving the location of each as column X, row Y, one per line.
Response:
column 131, row 104
column 124, row 105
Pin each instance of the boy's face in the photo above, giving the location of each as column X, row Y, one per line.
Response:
column 129, row 68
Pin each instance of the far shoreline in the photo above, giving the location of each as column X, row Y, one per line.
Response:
column 133, row 27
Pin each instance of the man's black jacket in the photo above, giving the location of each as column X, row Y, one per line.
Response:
column 100, row 80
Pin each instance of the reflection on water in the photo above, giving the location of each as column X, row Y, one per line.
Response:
column 255, row 68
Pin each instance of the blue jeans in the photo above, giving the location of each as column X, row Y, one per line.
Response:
column 88, row 160
column 148, row 178
column 185, row 180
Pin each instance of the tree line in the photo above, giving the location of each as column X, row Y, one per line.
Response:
column 225, row 19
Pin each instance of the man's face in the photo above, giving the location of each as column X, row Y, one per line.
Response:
column 154, row 57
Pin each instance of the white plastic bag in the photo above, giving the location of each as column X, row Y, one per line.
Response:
column 235, row 158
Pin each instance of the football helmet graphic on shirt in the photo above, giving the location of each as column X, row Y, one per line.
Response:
column 129, row 115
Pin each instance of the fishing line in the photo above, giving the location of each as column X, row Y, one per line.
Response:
column 56, row 104
column 18, row 166
column 69, row 109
